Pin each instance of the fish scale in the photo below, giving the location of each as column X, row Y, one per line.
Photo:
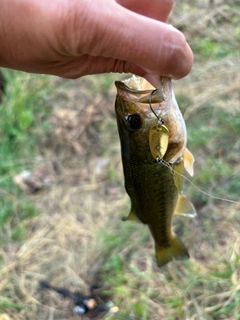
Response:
column 161, row 200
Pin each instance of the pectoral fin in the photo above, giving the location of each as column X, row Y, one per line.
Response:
column 131, row 217
column 188, row 161
column 184, row 207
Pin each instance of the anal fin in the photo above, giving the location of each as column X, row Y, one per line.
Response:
column 185, row 207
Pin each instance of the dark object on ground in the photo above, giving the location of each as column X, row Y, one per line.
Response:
column 84, row 304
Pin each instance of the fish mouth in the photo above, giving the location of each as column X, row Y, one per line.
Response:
column 131, row 89
column 137, row 89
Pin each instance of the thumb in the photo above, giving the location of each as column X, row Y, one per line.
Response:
column 154, row 46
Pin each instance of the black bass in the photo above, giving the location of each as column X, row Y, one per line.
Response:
column 153, row 143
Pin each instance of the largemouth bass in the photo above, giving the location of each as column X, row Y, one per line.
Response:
column 153, row 141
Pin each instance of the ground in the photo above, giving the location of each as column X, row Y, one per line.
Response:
column 66, row 227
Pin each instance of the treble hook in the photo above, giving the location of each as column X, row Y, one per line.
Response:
column 160, row 120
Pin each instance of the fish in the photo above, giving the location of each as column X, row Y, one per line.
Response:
column 153, row 140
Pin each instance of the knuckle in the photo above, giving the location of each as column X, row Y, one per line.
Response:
column 69, row 25
column 181, row 55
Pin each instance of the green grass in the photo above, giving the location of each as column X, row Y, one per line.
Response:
column 23, row 114
column 5, row 303
column 23, row 121
column 218, row 135
column 209, row 49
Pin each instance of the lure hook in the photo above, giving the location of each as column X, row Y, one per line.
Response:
column 160, row 120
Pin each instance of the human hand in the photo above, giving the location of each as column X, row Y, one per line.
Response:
column 79, row 37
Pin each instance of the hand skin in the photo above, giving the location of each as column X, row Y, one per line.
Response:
column 73, row 38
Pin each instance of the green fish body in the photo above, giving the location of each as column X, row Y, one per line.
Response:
column 153, row 182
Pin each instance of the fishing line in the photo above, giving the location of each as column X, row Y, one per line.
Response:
column 166, row 164
column 160, row 122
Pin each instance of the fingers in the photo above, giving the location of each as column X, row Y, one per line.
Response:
column 82, row 37
column 155, row 9
column 86, row 65
column 119, row 40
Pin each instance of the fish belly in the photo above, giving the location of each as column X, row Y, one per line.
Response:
column 153, row 196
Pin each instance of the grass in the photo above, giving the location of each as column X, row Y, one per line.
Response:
column 22, row 123
column 71, row 234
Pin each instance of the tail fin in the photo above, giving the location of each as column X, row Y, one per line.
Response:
column 176, row 250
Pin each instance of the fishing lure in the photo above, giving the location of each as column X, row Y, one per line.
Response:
column 158, row 135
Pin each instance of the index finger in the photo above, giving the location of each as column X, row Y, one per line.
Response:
column 155, row 9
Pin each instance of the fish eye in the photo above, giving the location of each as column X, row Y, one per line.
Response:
column 134, row 121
